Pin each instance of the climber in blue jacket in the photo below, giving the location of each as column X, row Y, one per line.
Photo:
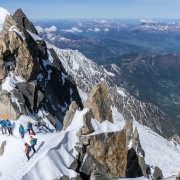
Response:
column 30, row 128
column 9, row 126
column 21, row 130
column 3, row 127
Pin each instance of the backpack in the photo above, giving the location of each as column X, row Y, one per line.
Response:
column 29, row 148
column 35, row 141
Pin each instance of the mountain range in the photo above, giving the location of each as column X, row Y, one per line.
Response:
column 92, row 127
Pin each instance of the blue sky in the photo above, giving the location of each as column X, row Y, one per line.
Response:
column 95, row 8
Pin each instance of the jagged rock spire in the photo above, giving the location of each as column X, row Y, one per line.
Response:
column 99, row 101
column 20, row 18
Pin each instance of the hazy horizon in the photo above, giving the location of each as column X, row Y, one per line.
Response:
column 137, row 9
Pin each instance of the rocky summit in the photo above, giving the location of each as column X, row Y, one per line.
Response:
column 34, row 71
column 86, row 126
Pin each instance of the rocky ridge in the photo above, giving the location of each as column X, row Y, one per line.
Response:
column 118, row 154
column 87, row 73
column 32, row 77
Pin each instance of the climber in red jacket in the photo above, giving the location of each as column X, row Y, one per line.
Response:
column 27, row 150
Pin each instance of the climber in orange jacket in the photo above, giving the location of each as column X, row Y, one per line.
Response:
column 27, row 150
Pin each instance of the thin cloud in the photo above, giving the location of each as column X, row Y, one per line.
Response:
column 94, row 30
column 50, row 29
column 39, row 29
column 73, row 30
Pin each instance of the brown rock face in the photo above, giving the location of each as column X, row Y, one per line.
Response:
column 87, row 126
column 99, row 102
column 2, row 68
column 108, row 153
column 8, row 110
column 70, row 114
column 136, row 165
column 19, row 48
column 2, row 148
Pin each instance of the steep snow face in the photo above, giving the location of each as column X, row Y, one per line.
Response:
column 55, row 151
column 159, row 151
column 10, row 82
column 3, row 13
column 85, row 72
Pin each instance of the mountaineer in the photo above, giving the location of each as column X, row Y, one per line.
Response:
column 21, row 130
column 33, row 142
column 30, row 128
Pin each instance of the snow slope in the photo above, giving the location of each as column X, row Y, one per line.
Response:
column 55, row 151
column 3, row 13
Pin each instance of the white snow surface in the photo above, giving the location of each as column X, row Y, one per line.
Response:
column 121, row 92
column 3, row 13
column 10, row 82
column 56, row 152
column 53, row 155
column 12, row 28
column 80, row 68
column 34, row 36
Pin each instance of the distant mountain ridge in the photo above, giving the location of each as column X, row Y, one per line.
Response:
column 87, row 73
column 152, row 78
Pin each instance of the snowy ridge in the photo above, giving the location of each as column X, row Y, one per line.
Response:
column 53, row 37
column 87, row 73
column 56, row 150
column 158, row 27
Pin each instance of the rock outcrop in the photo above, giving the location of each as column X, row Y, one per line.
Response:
column 9, row 109
column 109, row 154
column 22, row 49
column 87, row 126
column 157, row 173
column 2, row 148
column 70, row 115
column 99, row 102
column 136, row 165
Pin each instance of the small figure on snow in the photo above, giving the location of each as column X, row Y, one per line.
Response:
column 21, row 130
column 33, row 142
column 9, row 126
column 27, row 150
column 30, row 128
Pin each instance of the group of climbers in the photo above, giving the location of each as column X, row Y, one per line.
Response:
column 29, row 128
column 33, row 141
column 6, row 125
